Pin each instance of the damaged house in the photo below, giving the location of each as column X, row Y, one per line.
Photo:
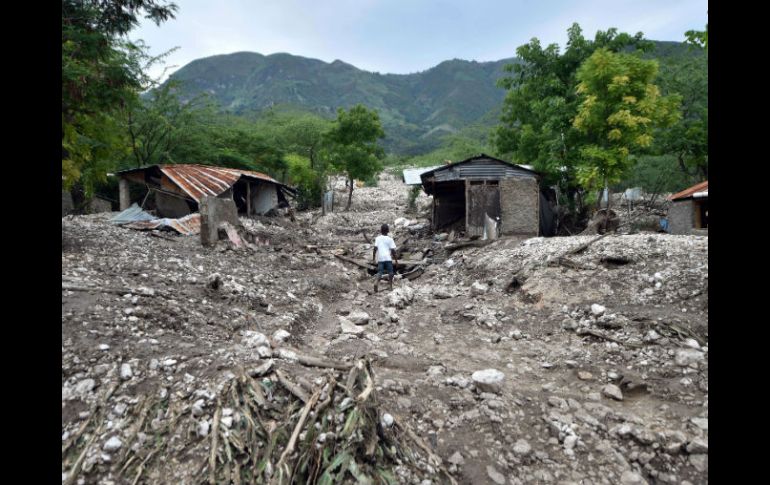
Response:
column 689, row 210
column 178, row 189
column 467, row 192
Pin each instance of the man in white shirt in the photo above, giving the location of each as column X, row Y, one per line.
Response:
column 384, row 254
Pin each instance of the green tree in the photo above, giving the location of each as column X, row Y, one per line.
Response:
column 157, row 125
column 352, row 145
column 300, row 133
column 100, row 72
column 212, row 138
column 536, row 121
column 687, row 140
column 699, row 38
column 620, row 106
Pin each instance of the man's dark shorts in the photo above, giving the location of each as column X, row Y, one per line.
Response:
column 384, row 265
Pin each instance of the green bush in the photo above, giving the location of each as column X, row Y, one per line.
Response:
column 309, row 182
column 372, row 181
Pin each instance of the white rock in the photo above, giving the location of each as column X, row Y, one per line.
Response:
column 112, row 444
column 254, row 339
column 651, row 336
column 227, row 421
column 456, row 459
column 197, row 407
column 697, row 446
column 692, row 343
column 612, row 391
column 348, row 327
column 281, row 336
column 84, row 387
column 387, row 420
column 685, row 357
column 598, row 310
column 287, row 354
column 702, row 423
column 125, row 372
column 435, row 370
column 449, row 263
column 570, row 441
column 700, row 462
column 120, row 409
column 488, row 380
column 522, row 448
column 104, row 347
column 359, row 318
column 264, row 352
column 203, row 428
column 495, row 475
column 479, row 288
column 169, row 363
column 632, row 478
column 401, row 297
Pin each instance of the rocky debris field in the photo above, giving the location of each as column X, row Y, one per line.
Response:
column 523, row 361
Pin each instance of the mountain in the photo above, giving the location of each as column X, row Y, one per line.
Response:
column 416, row 109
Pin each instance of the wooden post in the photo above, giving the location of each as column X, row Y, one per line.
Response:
column 125, row 198
column 248, row 198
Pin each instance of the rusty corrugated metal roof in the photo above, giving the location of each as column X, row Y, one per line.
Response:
column 686, row 193
column 187, row 225
column 200, row 180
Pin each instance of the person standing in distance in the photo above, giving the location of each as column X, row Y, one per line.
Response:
column 384, row 253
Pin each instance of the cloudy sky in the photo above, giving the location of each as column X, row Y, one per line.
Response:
column 402, row 36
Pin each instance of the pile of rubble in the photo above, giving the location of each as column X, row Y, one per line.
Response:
column 559, row 360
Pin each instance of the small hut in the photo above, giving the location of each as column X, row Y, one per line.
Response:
column 690, row 210
column 480, row 188
column 178, row 189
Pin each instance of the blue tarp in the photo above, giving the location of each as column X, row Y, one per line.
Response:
column 132, row 214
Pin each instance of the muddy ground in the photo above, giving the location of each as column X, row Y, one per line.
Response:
column 603, row 355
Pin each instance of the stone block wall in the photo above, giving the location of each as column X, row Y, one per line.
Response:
column 215, row 211
column 520, row 206
column 681, row 217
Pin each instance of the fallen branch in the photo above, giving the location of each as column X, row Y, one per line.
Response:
column 73, row 474
column 293, row 440
column 357, row 263
column 413, row 274
column 116, row 291
column 156, row 234
column 292, row 388
column 424, row 447
column 465, row 244
column 369, row 387
column 682, row 331
column 564, row 261
column 311, row 361
column 594, row 333
column 213, row 455
column 141, row 465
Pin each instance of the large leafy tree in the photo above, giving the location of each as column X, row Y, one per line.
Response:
column 536, row 122
column 158, row 125
column 101, row 71
column 352, row 145
column 619, row 109
column 687, row 75
column 699, row 38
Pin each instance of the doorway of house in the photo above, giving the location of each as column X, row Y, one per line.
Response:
column 483, row 200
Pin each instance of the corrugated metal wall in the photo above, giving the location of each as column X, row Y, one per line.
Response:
column 481, row 169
